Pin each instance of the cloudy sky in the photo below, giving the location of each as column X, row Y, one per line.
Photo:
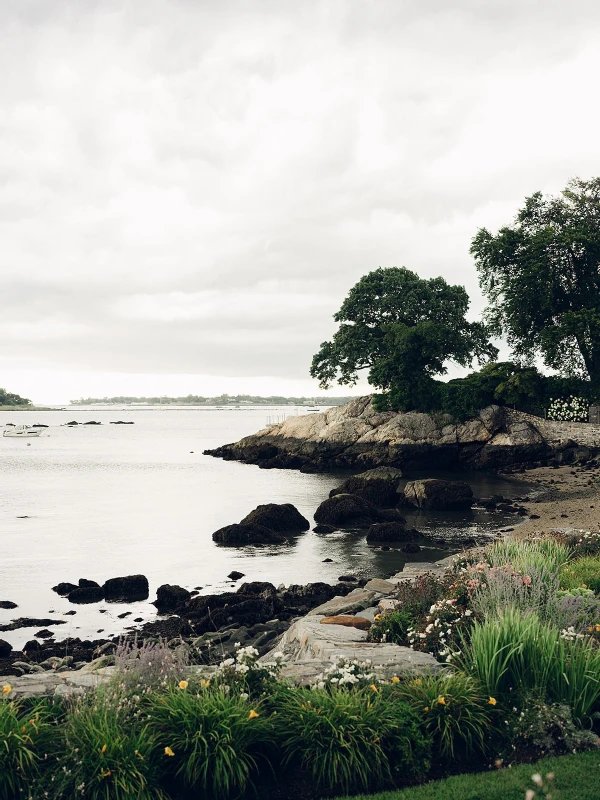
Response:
column 188, row 188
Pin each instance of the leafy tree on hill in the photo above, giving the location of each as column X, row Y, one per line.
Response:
column 541, row 276
column 9, row 399
column 402, row 329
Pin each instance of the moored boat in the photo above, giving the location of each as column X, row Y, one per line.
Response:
column 21, row 431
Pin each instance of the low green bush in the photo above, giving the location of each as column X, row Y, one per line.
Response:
column 352, row 740
column 25, row 736
column 583, row 572
column 392, row 627
column 214, row 741
column 454, row 711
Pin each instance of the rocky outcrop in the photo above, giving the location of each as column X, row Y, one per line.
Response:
column 437, row 495
column 391, row 532
column 127, row 589
column 169, row 598
column 247, row 533
column 346, row 511
column 378, row 491
column 356, row 436
column 5, row 648
column 280, row 517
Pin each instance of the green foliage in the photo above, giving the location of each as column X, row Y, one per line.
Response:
column 525, row 555
column 9, row 399
column 108, row 754
column 403, row 329
column 351, row 740
column 392, row 627
column 542, row 279
column 583, row 572
column 543, row 729
column 218, row 739
column 25, row 734
column 455, row 712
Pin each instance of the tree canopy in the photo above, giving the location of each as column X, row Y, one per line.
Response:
column 541, row 277
column 9, row 399
column 403, row 329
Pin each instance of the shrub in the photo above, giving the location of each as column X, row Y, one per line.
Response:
column 578, row 611
column 392, row 627
column 494, row 589
column 349, row 740
column 454, row 709
column 242, row 672
column 24, row 737
column 583, row 572
column 148, row 664
column 416, row 597
column 524, row 555
column 569, row 409
column 107, row 752
column 215, row 740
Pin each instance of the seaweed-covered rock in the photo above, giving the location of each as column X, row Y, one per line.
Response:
column 169, row 597
column 86, row 594
column 382, row 473
column 247, row 533
column 378, row 491
column 126, row 589
column 64, row 588
column 439, row 495
column 347, row 511
column 391, row 532
column 281, row 517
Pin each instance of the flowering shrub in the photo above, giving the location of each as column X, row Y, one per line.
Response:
column 148, row 664
column 244, row 674
column 347, row 673
column 570, row 409
column 439, row 632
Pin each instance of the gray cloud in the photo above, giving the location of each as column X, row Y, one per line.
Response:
column 193, row 187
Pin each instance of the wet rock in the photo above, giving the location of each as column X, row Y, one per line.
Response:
column 234, row 575
column 391, row 532
column 327, row 561
column 242, row 534
column 170, row 597
column 280, row 517
column 324, row 529
column 257, row 589
column 5, row 648
column 391, row 515
column 362, row 623
column 44, row 634
column 32, row 646
column 438, row 495
column 347, row 510
column 86, row 594
column 29, row 622
column 126, row 589
column 378, row 491
column 411, row 547
column 348, row 578
column 84, row 583
column 382, row 473
column 64, row 588
column 7, row 604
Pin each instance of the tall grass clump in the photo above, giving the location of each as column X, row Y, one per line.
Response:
column 497, row 588
column 526, row 555
column 582, row 572
column 149, row 663
column 352, row 740
column 107, row 752
column 25, row 734
column 455, row 711
column 213, row 741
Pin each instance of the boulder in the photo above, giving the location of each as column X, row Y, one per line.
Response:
column 411, row 547
column 382, row 473
column 5, row 648
column 84, row 583
column 247, row 533
column 391, row 514
column 126, row 589
column 361, row 623
column 64, row 588
column 391, row 532
column 379, row 491
column 169, row 598
column 234, row 575
column 324, row 529
column 348, row 604
column 86, row 594
column 280, row 517
column 381, row 586
column 258, row 589
column 7, row 604
column 347, row 510
column 438, row 495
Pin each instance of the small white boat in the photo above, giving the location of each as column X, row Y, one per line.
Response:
column 21, row 431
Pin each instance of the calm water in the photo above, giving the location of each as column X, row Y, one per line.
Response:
column 108, row 500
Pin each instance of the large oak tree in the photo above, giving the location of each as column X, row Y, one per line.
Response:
column 541, row 276
column 403, row 329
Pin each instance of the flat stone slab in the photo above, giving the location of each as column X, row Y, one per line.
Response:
column 387, row 604
column 355, row 601
column 382, row 586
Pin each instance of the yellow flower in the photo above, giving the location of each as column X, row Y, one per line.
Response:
column 373, row 687
column 138, row 754
column 395, row 679
column 204, row 684
column 106, row 774
column 377, row 617
column 6, row 689
column 426, row 708
column 492, row 701
column 103, row 749
column 441, row 701
column 169, row 752
column 252, row 714
column 183, row 684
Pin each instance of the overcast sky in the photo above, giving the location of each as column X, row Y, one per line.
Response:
column 188, row 188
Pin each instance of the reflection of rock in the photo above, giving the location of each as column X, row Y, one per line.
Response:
column 241, row 534
column 126, row 589
column 438, row 495
column 346, row 510
column 382, row 493
column 169, row 597
column 281, row 517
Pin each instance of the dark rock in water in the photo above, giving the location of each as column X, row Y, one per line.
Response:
column 382, row 493
column 64, row 588
column 7, row 604
column 348, row 578
column 73, row 422
column 257, row 589
column 44, row 634
column 120, row 422
column 347, row 510
column 324, row 529
column 39, row 425
column 234, row 575
column 382, row 473
column 391, row 515
column 32, row 646
column 169, row 597
column 5, row 648
column 70, row 613
column 411, row 547
column 327, row 561
column 123, row 615
column 85, row 584
column 92, row 422
column 247, row 534
column 29, row 622
column 280, row 517
column 438, row 495
column 86, row 594
column 126, row 589
column 391, row 532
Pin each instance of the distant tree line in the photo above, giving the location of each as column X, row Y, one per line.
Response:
column 541, row 277
column 9, row 399
column 221, row 400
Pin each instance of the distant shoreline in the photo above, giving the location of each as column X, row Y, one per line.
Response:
column 30, row 408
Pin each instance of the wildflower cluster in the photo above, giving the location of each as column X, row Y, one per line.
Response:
column 243, row 673
column 347, row 673
column 438, row 632
column 570, row 409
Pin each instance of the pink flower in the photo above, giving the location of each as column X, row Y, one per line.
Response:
column 527, row 580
